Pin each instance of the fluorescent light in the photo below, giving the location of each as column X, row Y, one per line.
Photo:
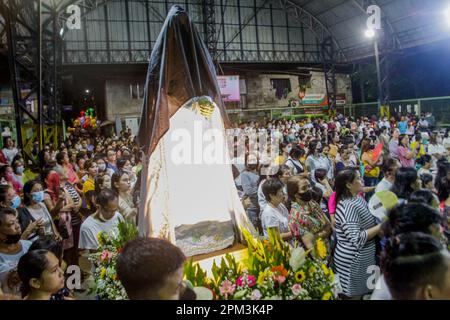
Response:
column 369, row 33
column 447, row 15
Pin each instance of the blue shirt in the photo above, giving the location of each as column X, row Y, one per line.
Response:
column 403, row 126
column 112, row 167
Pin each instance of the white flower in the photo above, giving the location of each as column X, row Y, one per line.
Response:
column 298, row 258
column 256, row 294
column 203, row 293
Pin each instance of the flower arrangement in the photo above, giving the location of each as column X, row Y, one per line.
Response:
column 106, row 285
column 272, row 270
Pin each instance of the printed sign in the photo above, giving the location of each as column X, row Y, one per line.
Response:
column 229, row 88
column 313, row 99
column 341, row 99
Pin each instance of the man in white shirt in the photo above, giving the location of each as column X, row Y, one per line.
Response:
column 384, row 123
column 389, row 168
column 423, row 124
column 436, row 150
column 106, row 219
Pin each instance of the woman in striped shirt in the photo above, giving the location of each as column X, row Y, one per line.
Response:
column 355, row 232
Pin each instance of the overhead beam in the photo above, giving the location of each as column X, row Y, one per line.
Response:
column 317, row 27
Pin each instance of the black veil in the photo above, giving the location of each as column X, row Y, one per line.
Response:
column 180, row 68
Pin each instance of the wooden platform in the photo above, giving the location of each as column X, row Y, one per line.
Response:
column 236, row 247
column 206, row 260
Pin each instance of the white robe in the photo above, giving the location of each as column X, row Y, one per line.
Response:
column 195, row 205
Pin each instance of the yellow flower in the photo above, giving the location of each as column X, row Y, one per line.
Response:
column 261, row 278
column 331, row 275
column 321, row 249
column 102, row 273
column 326, row 296
column 311, row 270
column 326, row 271
column 300, row 276
column 100, row 239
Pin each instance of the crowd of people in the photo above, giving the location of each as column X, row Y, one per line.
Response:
column 327, row 171
column 51, row 212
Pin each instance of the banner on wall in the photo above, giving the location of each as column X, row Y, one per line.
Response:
column 341, row 100
column 314, row 100
column 229, row 88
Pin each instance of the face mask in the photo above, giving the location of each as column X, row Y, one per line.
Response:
column 305, row 196
column 288, row 149
column 101, row 167
column 38, row 196
column 12, row 238
column 19, row 170
column 127, row 168
column 15, row 203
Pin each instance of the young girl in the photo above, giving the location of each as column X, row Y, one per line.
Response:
column 425, row 162
column 427, row 182
column 41, row 275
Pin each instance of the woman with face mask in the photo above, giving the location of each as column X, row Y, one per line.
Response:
column 101, row 164
column 8, row 198
column 316, row 159
column 293, row 161
column 35, row 215
column 12, row 248
column 7, row 177
column 18, row 170
column 307, row 221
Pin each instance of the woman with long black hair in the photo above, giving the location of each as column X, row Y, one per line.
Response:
column 406, row 182
column 356, row 230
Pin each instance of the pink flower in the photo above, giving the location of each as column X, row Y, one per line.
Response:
column 251, row 280
column 227, row 287
column 106, row 255
column 279, row 279
column 256, row 295
column 240, row 281
column 248, row 280
column 296, row 289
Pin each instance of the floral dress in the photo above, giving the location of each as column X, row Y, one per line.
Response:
column 307, row 219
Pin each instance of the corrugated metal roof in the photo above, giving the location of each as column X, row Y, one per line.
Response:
column 411, row 22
